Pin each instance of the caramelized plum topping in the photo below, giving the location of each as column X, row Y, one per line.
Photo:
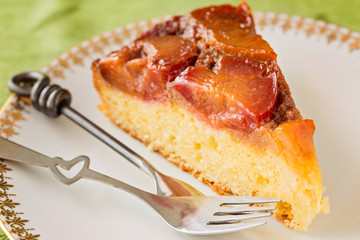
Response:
column 144, row 67
column 239, row 93
column 232, row 30
column 297, row 138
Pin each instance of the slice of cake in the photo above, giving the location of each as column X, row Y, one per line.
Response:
column 206, row 92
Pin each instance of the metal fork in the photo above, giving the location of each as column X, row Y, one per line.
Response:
column 53, row 101
column 199, row 215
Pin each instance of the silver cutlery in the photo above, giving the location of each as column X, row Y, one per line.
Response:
column 199, row 215
column 53, row 101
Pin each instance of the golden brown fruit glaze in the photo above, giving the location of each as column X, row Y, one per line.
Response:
column 231, row 30
column 144, row 67
column 238, row 93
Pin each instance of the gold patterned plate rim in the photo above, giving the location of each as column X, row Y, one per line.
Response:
column 11, row 222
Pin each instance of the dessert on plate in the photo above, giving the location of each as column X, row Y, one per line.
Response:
column 205, row 91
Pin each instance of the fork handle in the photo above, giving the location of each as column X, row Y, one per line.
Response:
column 99, row 177
column 15, row 152
column 54, row 101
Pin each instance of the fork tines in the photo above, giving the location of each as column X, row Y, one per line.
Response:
column 238, row 209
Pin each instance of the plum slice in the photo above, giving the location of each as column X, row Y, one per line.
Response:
column 238, row 93
column 144, row 67
column 231, row 30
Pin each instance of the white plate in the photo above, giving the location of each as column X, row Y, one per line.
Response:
column 321, row 63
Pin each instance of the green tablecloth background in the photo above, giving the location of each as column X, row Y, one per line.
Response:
column 33, row 32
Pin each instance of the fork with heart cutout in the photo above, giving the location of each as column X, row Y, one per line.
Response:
column 202, row 215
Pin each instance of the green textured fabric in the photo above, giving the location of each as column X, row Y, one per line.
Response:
column 3, row 236
column 33, row 32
